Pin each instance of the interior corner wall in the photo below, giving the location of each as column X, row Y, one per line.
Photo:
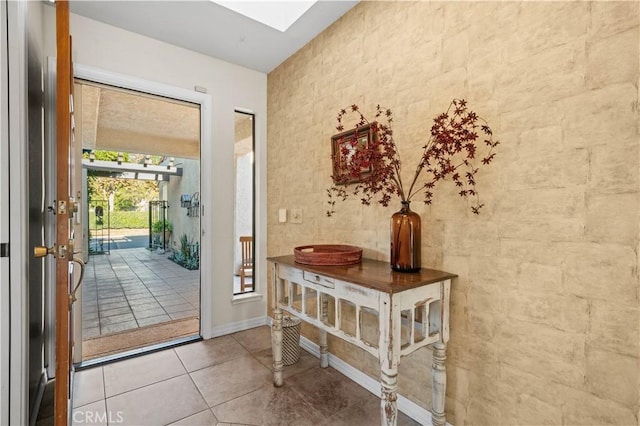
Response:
column 545, row 310
column 115, row 50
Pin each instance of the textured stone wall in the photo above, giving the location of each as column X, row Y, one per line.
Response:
column 545, row 312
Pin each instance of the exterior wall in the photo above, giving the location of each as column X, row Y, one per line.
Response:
column 188, row 183
column 545, row 311
column 231, row 87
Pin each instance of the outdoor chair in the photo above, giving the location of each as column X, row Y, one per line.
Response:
column 246, row 267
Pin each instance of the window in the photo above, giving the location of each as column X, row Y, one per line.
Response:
column 244, row 249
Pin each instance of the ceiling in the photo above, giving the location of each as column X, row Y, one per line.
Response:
column 120, row 120
column 213, row 30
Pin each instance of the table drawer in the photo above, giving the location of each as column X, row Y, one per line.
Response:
column 319, row 279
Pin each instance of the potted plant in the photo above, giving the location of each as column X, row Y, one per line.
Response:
column 157, row 228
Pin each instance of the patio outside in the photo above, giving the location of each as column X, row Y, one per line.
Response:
column 134, row 297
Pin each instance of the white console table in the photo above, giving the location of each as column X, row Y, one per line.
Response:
column 412, row 311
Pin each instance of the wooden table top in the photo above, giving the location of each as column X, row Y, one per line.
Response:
column 370, row 273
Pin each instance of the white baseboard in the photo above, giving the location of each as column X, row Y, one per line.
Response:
column 408, row 407
column 239, row 326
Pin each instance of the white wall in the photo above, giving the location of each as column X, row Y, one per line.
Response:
column 231, row 87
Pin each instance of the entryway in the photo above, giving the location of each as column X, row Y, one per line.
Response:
column 141, row 171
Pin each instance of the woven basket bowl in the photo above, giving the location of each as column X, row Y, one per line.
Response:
column 328, row 254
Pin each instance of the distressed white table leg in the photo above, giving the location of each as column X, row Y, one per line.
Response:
column 276, row 327
column 389, row 356
column 276, row 345
column 388, row 401
column 324, row 347
column 439, row 383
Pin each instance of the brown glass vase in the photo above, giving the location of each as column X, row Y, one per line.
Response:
column 405, row 240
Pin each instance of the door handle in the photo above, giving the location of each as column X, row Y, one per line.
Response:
column 72, row 295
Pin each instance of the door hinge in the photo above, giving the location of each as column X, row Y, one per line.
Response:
column 4, row 249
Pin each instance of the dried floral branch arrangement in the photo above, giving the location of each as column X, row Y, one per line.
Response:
column 450, row 151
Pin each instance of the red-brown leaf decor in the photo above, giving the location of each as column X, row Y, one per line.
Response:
column 452, row 144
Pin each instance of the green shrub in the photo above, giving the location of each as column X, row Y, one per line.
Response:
column 120, row 219
column 156, row 228
column 189, row 254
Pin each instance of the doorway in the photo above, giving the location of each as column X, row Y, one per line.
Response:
column 140, row 162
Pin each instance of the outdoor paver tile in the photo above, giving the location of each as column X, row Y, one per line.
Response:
column 166, row 295
column 115, row 328
column 117, row 319
column 174, row 300
column 89, row 315
column 114, row 312
column 138, row 288
column 111, row 306
column 143, row 301
column 129, row 291
column 90, row 333
column 143, row 322
column 177, row 307
column 111, row 298
column 147, row 313
column 184, row 314
column 90, row 323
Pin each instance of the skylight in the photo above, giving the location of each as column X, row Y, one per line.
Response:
column 276, row 14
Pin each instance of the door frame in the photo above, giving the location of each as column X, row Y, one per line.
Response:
column 206, row 172
column 13, row 217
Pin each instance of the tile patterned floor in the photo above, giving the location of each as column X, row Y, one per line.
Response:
column 222, row 381
column 132, row 288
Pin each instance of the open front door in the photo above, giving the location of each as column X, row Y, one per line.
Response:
column 65, row 207
column 64, row 215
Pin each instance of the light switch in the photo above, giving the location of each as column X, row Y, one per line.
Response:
column 282, row 215
column 296, row 215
